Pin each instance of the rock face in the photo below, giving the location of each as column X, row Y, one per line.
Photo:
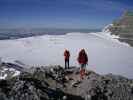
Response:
column 8, row 71
column 56, row 83
column 123, row 27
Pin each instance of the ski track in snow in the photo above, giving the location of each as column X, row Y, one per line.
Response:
column 106, row 55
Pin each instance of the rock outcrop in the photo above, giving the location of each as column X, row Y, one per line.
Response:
column 123, row 27
column 57, row 83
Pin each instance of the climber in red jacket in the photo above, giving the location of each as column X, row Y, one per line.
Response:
column 83, row 61
column 66, row 58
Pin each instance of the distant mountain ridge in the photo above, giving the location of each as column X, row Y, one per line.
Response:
column 23, row 33
column 123, row 27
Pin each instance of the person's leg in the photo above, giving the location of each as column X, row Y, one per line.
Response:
column 82, row 71
column 82, row 65
column 85, row 68
column 68, row 63
column 65, row 64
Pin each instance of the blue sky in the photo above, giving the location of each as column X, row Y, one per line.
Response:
column 90, row 14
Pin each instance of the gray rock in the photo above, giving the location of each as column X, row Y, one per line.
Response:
column 45, row 83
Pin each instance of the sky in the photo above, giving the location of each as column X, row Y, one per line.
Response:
column 83, row 14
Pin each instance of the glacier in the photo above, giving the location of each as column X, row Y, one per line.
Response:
column 105, row 54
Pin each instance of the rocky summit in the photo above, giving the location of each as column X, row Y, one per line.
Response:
column 57, row 83
column 123, row 27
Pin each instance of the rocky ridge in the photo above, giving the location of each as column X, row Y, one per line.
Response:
column 57, row 83
column 123, row 27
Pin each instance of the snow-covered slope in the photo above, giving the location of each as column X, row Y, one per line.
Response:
column 6, row 73
column 105, row 54
column 106, row 34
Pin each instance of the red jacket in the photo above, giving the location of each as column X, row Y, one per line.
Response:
column 66, row 54
column 82, row 58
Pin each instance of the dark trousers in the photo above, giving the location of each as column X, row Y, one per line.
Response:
column 66, row 63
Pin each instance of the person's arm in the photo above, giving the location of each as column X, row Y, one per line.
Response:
column 86, row 59
column 69, row 54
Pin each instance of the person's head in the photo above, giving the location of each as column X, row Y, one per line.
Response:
column 83, row 50
column 66, row 50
